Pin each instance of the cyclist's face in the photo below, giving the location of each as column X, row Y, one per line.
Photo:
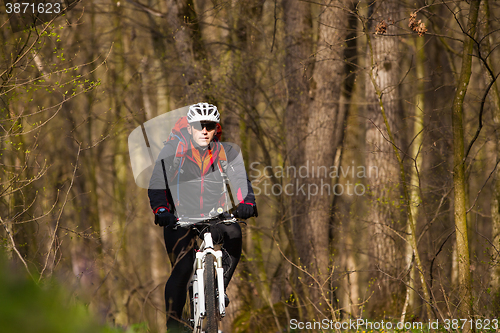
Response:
column 202, row 133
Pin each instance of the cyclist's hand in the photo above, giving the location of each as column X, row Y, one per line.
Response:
column 244, row 211
column 164, row 218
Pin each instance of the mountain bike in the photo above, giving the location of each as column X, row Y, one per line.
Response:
column 207, row 282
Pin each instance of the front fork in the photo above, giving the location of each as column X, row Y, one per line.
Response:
column 198, row 285
column 220, row 284
column 198, row 298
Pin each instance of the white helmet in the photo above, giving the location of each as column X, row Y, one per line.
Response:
column 203, row 112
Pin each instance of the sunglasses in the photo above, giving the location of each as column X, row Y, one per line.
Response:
column 199, row 126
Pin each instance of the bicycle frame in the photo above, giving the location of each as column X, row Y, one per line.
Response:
column 197, row 279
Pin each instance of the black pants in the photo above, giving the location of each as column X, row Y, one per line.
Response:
column 180, row 245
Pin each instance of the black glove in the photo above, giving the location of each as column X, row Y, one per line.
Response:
column 164, row 218
column 244, row 211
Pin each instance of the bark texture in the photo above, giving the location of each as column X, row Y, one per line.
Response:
column 324, row 134
column 298, row 48
column 384, row 189
column 465, row 306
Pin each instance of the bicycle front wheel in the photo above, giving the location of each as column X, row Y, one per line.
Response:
column 211, row 303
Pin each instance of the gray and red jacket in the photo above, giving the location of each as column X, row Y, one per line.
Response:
column 194, row 187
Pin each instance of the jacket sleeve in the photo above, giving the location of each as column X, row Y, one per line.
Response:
column 241, row 187
column 159, row 191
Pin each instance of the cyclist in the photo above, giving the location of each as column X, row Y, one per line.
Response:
column 188, row 180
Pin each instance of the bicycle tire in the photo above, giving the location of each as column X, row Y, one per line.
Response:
column 211, row 305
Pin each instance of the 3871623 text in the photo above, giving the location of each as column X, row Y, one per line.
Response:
column 32, row 8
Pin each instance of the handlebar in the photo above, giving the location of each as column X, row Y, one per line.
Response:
column 186, row 222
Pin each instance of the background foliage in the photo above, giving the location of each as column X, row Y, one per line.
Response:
column 406, row 88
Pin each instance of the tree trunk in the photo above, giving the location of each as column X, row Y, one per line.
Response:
column 111, row 180
column 495, row 200
column 298, row 48
column 384, row 187
column 324, row 135
column 192, row 72
column 416, row 166
column 465, row 308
